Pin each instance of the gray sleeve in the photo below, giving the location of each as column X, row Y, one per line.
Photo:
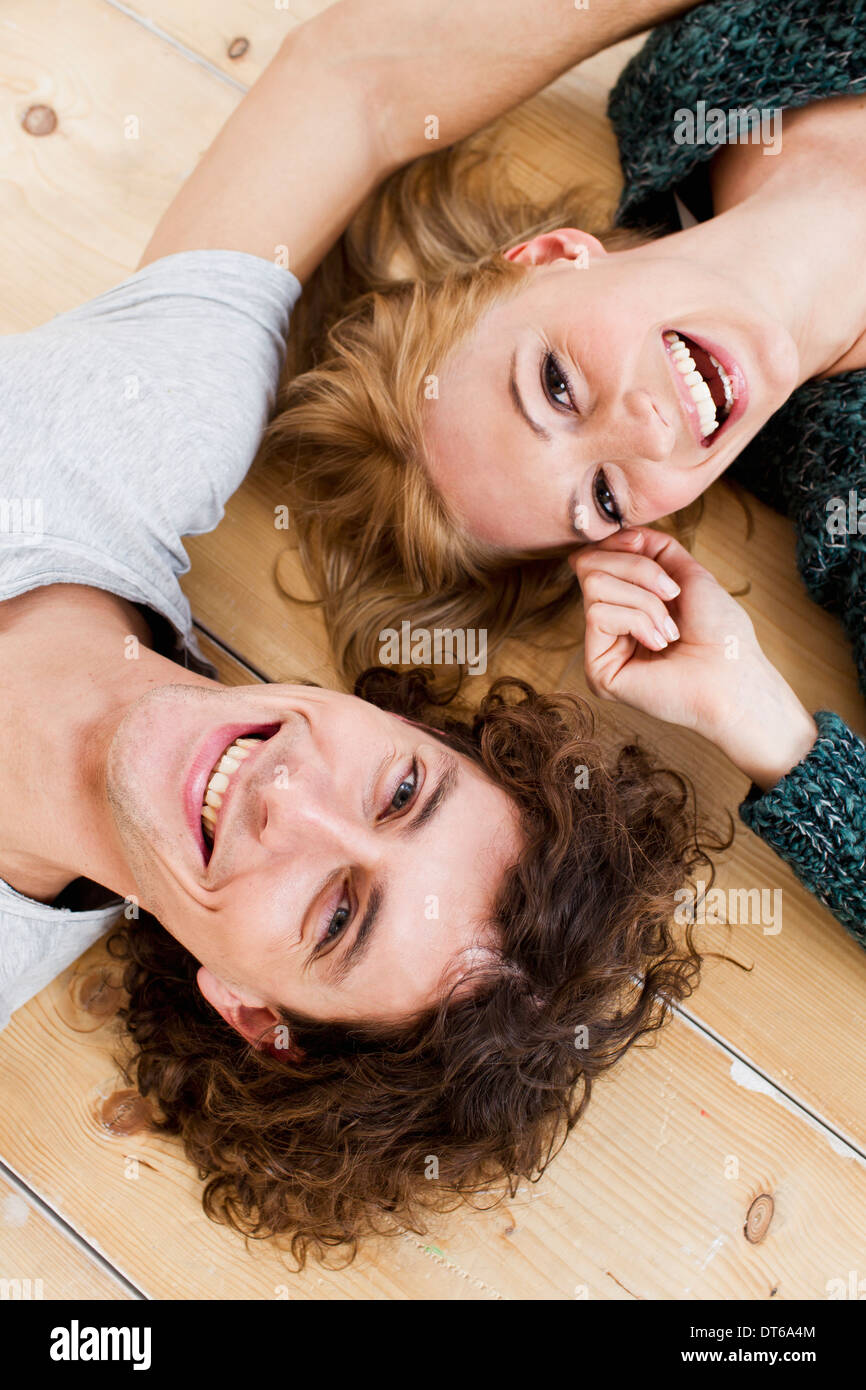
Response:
column 37, row 942
column 127, row 423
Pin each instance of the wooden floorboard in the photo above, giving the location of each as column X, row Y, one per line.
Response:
column 639, row 1204
column 39, row 1260
column 649, row 1199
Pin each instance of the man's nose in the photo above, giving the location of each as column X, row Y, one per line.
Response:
column 311, row 816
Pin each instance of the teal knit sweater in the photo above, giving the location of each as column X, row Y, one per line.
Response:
column 809, row 460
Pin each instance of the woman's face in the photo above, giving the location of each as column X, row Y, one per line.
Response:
column 586, row 400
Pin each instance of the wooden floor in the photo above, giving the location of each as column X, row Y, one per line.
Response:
column 757, row 1088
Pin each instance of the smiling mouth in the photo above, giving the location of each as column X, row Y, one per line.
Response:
column 218, row 783
column 710, row 387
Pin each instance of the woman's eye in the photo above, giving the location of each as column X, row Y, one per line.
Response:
column 606, row 500
column 556, row 382
column 406, row 790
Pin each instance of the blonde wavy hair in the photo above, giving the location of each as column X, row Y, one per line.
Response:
column 407, row 283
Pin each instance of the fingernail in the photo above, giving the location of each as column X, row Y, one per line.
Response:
column 671, row 629
column 669, row 587
column 660, row 640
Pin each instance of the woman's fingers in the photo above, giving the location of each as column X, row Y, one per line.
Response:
column 614, row 596
column 636, row 569
column 643, row 542
column 604, row 658
column 611, row 620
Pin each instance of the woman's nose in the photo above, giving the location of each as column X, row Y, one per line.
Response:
column 646, row 427
column 630, row 427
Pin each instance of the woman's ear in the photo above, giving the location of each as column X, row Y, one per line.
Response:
column 257, row 1024
column 569, row 244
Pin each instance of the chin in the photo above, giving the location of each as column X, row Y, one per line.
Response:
column 135, row 809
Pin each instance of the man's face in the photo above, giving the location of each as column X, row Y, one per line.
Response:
column 355, row 858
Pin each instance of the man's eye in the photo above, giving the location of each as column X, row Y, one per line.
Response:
column 337, row 925
column 405, row 791
column 556, row 383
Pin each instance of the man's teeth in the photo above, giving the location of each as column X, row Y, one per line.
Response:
column 230, row 761
column 697, row 387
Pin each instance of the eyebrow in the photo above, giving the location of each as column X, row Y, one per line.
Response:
column 364, row 935
column 517, row 401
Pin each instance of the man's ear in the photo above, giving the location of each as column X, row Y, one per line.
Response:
column 257, row 1024
column 568, row 244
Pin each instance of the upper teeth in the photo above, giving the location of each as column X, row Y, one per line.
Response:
column 695, row 384
column 220, row 777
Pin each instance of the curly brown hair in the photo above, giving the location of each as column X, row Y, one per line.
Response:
column 367, row 1127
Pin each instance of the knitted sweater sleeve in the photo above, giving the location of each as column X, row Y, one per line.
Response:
column 763, row 56
column 809, row 461
column 815, row 819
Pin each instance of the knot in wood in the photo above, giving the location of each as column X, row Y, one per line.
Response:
column 98, row 994
column 124, row 1112
column 758, row 1218
column 39, row 120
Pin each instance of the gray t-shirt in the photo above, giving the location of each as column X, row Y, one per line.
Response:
column 125, row 425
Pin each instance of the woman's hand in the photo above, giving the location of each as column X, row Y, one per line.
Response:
column 663, row 636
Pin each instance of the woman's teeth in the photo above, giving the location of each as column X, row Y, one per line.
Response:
column 698, row 388
column 229, row 763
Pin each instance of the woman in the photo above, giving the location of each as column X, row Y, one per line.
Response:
column 519, row 389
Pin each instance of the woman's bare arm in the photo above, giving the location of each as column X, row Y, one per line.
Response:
column 345, row 101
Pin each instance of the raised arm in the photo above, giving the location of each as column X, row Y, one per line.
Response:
column 345, row 100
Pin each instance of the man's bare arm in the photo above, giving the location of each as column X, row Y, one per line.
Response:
column 344, row 102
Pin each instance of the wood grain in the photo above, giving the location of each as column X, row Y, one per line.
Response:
column 638, row 1205
column 648, row 1200
column 39, row 1260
